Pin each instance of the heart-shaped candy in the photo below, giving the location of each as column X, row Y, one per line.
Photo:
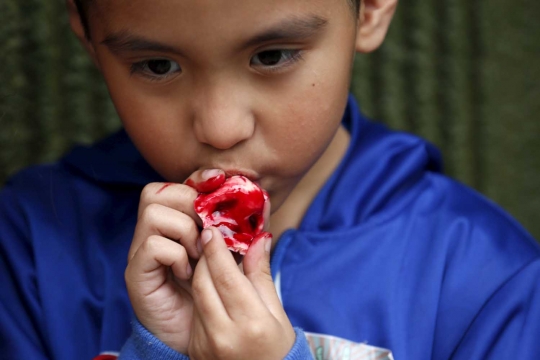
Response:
column 236, row 209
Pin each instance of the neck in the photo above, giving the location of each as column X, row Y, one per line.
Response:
column 291, row 213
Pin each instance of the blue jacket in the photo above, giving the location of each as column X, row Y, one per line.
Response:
column 391, row 252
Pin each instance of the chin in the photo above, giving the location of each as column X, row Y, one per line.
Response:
column 278, row 194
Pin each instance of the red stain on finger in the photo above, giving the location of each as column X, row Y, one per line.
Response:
column 164, row 187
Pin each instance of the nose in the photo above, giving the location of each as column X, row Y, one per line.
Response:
column 223, row 117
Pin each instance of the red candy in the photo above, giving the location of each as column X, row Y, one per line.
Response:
column 236, row 209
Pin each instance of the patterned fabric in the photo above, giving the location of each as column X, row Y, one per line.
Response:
column 326, row 347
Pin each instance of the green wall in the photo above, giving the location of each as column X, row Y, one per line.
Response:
column 464, row 74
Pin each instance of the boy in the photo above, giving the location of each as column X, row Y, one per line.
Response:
column 370, row 242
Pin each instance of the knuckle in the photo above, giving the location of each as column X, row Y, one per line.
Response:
column 221, row 344
column 254, row 331
column 263, row 277
column 179, row 252
column 151, row 245
column 151, row 213
column 148, row 192
column 226, row 281
column 182, row 257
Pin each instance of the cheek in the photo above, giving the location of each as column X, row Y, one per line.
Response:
column 307, row 117
column 304, row 133
column 155, row 124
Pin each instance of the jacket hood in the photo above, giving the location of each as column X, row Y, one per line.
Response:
column 112, row 161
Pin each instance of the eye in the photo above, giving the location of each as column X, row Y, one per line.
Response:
column 275, row 59
column 156, row 69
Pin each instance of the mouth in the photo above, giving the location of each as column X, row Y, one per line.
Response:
column 250, row 174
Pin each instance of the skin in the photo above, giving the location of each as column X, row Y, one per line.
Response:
column 223, row 109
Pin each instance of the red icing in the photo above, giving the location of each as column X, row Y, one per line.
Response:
column 236, row 209
column 208, row 185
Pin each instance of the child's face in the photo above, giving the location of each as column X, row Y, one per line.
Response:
column 255, row 87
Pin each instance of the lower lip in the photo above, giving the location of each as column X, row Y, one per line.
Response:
column 250, row 176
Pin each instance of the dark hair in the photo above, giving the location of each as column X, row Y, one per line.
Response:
column 82, row 8
column 83, row 5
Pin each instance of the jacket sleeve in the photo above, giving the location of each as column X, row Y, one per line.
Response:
column 20, row 310
column 508, row 325
column 143, row 345
column 300, row 349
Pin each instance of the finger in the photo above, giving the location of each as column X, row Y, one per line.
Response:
column 205, row 296
column 257, row 270
column 148, row 268
column 161, row 220
column 199, row 344
column 206, row 181
column 175, row 196
column 266, row 213
column 237, row 294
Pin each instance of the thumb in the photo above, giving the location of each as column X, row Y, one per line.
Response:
column 256, row 266
column 206, row 181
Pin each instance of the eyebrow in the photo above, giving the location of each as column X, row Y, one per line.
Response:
column 125, row 41
column 292, row 28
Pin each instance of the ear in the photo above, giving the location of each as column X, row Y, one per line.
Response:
column 78, row 29
column 374, row 20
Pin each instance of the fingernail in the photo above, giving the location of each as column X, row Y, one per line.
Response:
column 206, row 236
column 211, row 173
column 199, row 246
column 267, row 244
column 189, row 270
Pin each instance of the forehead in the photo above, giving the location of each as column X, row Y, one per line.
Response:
column 198, row 17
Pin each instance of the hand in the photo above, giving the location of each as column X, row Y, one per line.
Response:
column 159, row 269
column 237, row 315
